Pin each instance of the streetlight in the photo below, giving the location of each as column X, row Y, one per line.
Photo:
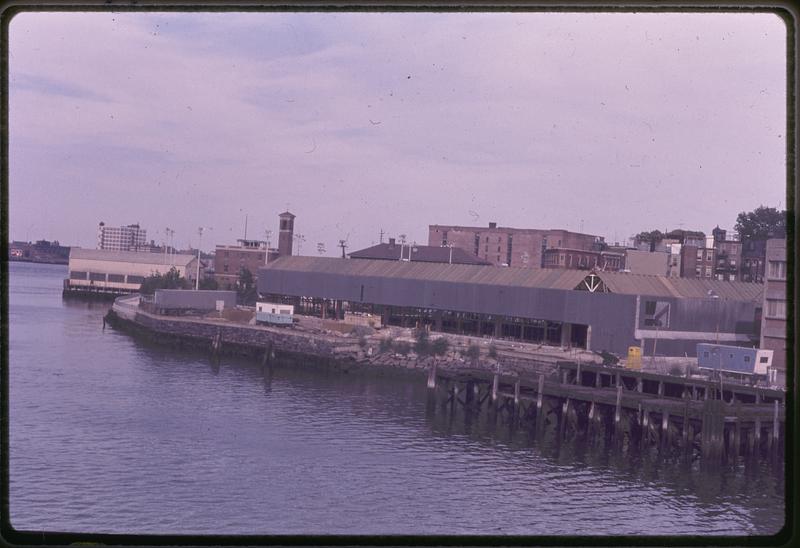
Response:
column 200, row 233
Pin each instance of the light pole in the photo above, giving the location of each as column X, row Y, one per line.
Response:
column 200, row 239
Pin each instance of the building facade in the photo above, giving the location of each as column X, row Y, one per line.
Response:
column 728, row 260
column 514, row 247
column 229, row 260
column 593, row 310
column 775, row 310
column 121, row 271
column 121, row 238
column 754, row 253
column 697, row 262
column 649, row 263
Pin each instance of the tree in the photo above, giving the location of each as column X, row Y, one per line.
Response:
column 208, row 284
column 246, row 287
column 652, row 238
column 171, row 280
column 761, row 223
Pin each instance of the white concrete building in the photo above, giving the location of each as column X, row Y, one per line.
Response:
column 122, row 271
column 121, row 238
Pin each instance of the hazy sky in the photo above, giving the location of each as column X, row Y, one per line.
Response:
column 613, row 123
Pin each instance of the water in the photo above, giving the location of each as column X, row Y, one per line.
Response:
column 110, row 435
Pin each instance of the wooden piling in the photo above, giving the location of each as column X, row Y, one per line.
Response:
column 432, row 376
column 665, row 441
column 516, row 393
column 578, row 375
column 495, row 384
column 776, row 427
column 540, row 394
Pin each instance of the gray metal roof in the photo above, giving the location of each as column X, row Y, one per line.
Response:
column 130, row 257
column 424, row 253
column 616, row 282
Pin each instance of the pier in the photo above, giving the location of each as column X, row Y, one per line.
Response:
column 634, row 409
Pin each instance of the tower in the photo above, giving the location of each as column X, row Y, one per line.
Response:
column 286, row 233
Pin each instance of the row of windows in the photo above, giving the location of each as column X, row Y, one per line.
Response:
column 101, row 277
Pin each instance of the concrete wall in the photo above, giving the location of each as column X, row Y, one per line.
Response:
column 646, row 262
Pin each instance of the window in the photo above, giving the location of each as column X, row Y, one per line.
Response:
column 697, row 271
column 776, row 308
column 708, row 272
column 763, row 359
column 732, row 277
column 225, row 268
column 649, row 307
column 97, row 276
column 135, row 279
column 699, row 254
column 777, row 270
column 117, row 278
column 498, row 249
column 705, row 354
column 709, row 254
column 77, row 275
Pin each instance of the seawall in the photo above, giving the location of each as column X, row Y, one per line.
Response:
column 369, row 349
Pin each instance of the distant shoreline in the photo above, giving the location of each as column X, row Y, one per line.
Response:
column 39, row 261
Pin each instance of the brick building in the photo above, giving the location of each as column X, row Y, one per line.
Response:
column 697, row 262
column 728, row 259
column 230, row 259
column 121, row 238
column 754, row 252
column 514, row 247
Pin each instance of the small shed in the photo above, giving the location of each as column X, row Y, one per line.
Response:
column 183, row 301
column 273, row 313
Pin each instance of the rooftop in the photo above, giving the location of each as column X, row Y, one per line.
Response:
column 423, row 253
column 129, row 256
column 616, row 282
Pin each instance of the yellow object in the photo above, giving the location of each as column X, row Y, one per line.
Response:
column 634, row 358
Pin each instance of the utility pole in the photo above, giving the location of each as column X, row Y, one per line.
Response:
column 343, row 245
column 199, row 241
column 381, row 238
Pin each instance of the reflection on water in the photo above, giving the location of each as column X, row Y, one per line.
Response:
column 113, row 434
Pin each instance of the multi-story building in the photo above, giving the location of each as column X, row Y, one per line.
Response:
column 251, row 254
column 650, row 263
column 122, row 238
column 229, row 260
column 774, row 312
column 674, row 260
column 697, row 262
column 514, row 247
column 754, row 252
column 728, row 258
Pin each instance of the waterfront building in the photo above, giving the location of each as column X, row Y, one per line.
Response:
column 514, row 247
column 593, row 310
column 774, row 315
column 97, row 270
column 122, row 238
column 42, row 251
column 414, row 252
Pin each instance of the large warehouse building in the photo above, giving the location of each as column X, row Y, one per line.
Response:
column 595, row 310
column 121, row 271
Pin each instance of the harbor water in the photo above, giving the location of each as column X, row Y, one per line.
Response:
column 109, row 434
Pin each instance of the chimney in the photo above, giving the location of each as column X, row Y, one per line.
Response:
column 492, row 225
column 391, row 242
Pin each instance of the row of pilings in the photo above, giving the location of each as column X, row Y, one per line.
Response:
column 709, row 429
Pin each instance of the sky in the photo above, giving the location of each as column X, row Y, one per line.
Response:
column 605, row 123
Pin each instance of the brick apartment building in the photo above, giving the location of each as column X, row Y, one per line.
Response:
column 728, row 256
column 697, row 262
column 514, row 247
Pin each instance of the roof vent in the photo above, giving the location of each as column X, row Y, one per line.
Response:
column 391, row 241
column 492, row 225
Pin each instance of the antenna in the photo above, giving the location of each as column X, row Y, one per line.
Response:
column 382, row 233
column 245, row 226
column 300, row 239
column 343, row 245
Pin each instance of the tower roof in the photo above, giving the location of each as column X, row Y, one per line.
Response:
column 287, row 214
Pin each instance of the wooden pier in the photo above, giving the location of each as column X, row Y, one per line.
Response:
column 716, row 420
